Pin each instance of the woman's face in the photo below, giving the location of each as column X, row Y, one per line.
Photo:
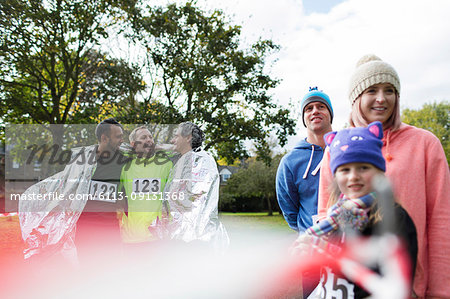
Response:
column 355, row 179
column 378, row 102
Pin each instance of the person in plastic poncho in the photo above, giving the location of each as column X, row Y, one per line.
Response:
column 49, row 226
column 193, row 191
column 144, row 179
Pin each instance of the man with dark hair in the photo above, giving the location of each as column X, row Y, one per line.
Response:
column 104, row 127
column 109, row 135
column 98, row 223
column 86, row 212
column 193, row 191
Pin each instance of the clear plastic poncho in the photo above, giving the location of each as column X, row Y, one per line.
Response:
column 193, row 197
column 48, row 226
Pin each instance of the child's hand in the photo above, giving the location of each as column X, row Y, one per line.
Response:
column 302, row 246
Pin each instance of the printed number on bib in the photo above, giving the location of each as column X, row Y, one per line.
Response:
column 103, row 191
column 147, row 185
column 333, row 287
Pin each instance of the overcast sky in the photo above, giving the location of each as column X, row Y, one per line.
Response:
column 321, row 41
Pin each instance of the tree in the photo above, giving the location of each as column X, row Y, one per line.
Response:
column 205, row 75
column 52, row 69
column 257, row 180
column 434, row 117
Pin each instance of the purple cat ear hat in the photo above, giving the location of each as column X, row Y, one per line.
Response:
column 354, row 145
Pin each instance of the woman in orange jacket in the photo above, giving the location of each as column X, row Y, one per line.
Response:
column 415, row 164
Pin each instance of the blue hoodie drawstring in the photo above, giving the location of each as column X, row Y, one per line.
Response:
column 315, row 171
column 309, row 164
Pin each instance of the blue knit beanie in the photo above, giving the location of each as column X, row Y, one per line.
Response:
column 352, row 145
column 314, row 95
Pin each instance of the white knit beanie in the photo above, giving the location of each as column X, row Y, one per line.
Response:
column 371, row 70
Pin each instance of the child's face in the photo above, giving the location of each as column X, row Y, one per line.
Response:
column 355, row 179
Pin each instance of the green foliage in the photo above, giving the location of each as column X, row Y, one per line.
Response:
column 207, row 75
column 54, row 70
column 434, row 117
column 252, row 187
column 50, row 71
column 106, row 84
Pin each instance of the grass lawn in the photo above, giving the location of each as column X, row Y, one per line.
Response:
column 257, row 221
column 241, row 227
column 256, row 228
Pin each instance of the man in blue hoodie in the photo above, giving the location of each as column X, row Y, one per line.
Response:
column 298, row 173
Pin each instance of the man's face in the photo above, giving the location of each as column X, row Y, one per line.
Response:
column 182, row 144
column 144, row 143
column 317, row 117
column 114, row 139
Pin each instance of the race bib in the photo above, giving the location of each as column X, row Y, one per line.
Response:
column 333, row 287
column 103, row 191
column 147, row 185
